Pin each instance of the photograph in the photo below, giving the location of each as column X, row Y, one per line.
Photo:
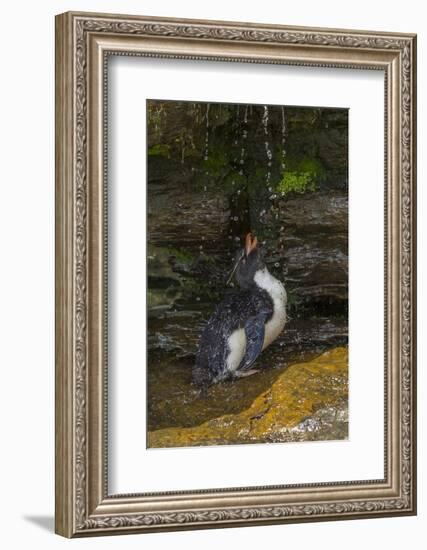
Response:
column 247, row 273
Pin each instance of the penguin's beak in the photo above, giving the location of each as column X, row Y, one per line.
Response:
column 250, row 243
column 239, row 259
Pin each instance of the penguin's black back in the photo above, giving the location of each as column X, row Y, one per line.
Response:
column 230, row 314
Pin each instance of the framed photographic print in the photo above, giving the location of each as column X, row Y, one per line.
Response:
column 235, row 274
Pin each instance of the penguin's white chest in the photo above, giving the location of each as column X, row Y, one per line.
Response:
column 237, row 340
column 277, row 292
column 237, row 347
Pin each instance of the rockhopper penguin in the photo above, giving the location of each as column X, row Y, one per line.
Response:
column 244, row 323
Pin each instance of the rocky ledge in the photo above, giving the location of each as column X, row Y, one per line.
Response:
column 308, row 401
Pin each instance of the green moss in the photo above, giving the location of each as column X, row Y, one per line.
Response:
column 159, row 150
column 296, row 182
column 301, row 176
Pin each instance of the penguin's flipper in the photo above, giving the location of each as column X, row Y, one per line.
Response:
column 254, row 331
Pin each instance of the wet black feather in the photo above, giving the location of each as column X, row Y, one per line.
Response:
column 231, row 314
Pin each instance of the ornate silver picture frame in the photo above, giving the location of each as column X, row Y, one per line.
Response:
column 84, row 42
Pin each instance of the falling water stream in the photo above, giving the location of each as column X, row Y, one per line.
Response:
column 244, row 138
column 283, row 139
column 267, row 146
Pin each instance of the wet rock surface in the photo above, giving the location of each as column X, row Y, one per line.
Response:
column 192, row 251
column 301, row 402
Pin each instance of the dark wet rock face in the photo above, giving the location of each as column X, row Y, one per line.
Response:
column 214, row 173
column 312, row 257
column 316, row 249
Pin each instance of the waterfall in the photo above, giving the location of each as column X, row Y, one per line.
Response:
column 239, row 220
column 244, row 137
column 283, row 139
column 267, row 145
column 236, row 139
column 281, row 239
column 204, row 202
column 207, row 132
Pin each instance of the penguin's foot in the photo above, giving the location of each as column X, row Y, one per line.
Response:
column 243, row 374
